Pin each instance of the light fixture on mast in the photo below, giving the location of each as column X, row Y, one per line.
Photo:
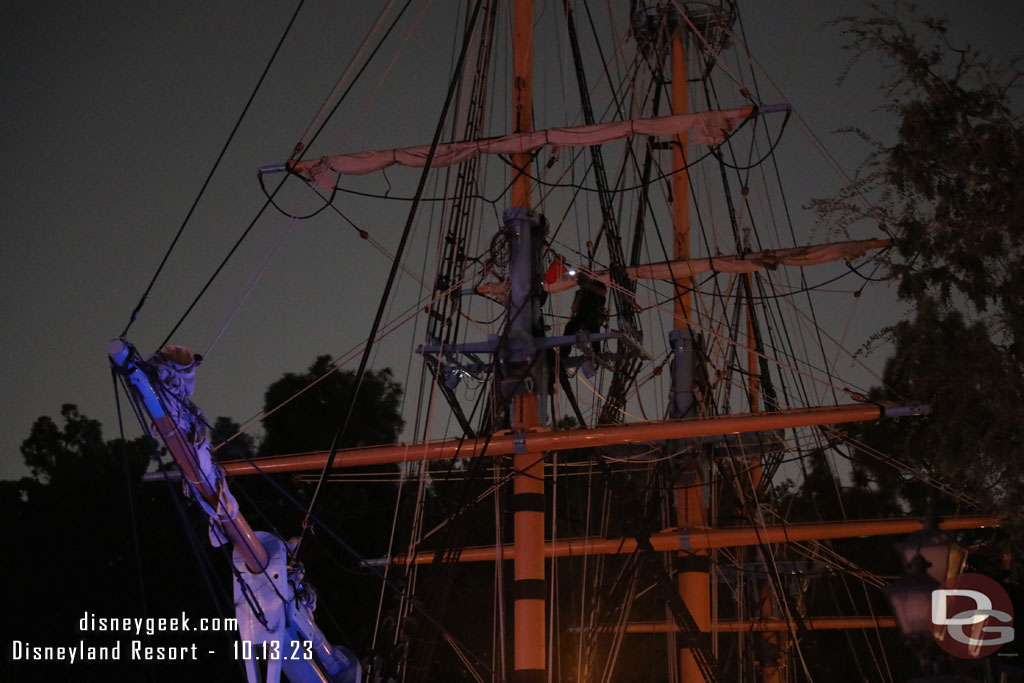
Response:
column 944, row 558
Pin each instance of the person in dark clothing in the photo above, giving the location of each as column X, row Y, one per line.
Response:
column 588, row 312
column 588, row 315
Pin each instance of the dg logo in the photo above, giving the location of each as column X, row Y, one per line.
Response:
column 972, row 616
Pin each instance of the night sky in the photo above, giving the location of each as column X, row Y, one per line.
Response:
column 115, row 112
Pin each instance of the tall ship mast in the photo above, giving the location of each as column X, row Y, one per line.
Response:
column 619, row 362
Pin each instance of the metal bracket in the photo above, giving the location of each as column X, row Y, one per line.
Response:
column 519, row 442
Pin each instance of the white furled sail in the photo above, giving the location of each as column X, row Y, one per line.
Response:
column 750, row 262
column 707, row 128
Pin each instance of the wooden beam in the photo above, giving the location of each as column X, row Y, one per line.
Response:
column 537, row 441
column 702, row 539
column 766, row 625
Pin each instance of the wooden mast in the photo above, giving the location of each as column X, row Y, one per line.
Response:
column 769, row 640
column 691, row 507
column 528, row 483
column 522, row 94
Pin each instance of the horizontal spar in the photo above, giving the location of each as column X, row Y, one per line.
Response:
column 811, row 255
column 708, row 127
column 701, row 539
column 761, row 625
column 538, row 441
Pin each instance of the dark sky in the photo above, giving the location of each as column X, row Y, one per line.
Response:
column 114, row 113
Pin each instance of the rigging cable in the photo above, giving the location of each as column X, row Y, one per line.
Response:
column 355, row 554
column 835, row 165
column 209, row 177
column 823, row 354
column 725, row 340
column 295, row 156
column 348, row 68
column 218, row 595
column 410, row 313
column 445, row 327
column 401, row 483
column 771, row 467
column 131, row 507
column 247, row 289
column 399, row 251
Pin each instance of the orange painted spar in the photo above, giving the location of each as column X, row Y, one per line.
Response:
column 680, row 182
column 238, row 531
column 811, row 624
column 701, row 539
column 502, row 444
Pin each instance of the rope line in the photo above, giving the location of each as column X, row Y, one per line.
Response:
column 399, row 252
column 209, row 176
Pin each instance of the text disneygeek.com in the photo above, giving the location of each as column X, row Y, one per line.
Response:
column 139, row 649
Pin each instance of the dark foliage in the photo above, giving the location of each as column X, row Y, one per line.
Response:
column 89, row 535
column 310, row 418
column 949, row 188
column 974, row 435
column 85, row 535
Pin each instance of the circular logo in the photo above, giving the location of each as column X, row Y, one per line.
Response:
column 972, row 616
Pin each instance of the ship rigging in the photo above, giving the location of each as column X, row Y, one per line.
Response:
column 623, row 403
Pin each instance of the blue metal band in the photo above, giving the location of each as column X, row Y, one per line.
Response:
column 519, row 442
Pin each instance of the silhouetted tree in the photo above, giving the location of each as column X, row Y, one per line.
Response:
column 317, row 404
column 85, row 534
column 950, row 190
column 950, row 186
column 88, row 535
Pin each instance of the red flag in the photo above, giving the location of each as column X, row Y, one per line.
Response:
column 556, row 270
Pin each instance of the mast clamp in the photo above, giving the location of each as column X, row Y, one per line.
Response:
column 519, row 442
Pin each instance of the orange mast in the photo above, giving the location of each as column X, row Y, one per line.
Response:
column 691, row 506
column 528, row 484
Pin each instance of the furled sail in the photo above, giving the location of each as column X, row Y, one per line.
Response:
column 732, row 263
column 175, row 367
column 708, row 128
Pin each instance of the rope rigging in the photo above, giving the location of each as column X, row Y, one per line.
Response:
column 213, row 170
column 296, row 156
column 321, row 525
column 610, row 589
column 246, row 590
column 627, row 362
column 399, row 251
column 444, row 317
